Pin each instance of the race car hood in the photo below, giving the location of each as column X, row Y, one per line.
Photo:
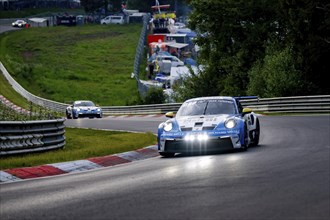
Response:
column 201, row 122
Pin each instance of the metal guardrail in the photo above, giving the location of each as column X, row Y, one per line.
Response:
column 55, row 106
column 139, row 53
column 18, row 137
column 141, row 109
column 140, row 46
column 296, row 104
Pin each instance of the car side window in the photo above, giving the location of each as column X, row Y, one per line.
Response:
column 239, row 106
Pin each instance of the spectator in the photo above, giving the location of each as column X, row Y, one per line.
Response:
column 151, row 69
column 156, row 66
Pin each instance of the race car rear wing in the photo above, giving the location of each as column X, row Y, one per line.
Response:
column 238, row 98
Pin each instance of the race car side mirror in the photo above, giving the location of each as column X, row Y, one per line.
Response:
column 169, row 114
column 246, row 111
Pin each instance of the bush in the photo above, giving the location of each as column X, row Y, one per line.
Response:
column 155, row 95
column 276, row 76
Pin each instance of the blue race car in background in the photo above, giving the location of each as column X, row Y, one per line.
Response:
column 83, row 109
column 208, row 124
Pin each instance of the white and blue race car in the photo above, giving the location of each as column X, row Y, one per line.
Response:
column 83, row 108
column 209, row 124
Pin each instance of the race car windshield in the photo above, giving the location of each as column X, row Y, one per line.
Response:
column 207, row 107
column 81, row 104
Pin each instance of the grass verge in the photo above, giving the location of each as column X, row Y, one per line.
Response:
column 7, row 114
column 82, row 144
column 71, row 63
column 8, row 92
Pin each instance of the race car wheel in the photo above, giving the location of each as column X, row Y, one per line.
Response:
column 68, row 116
column 246, row 139
column 256, row 135
column 164, row 154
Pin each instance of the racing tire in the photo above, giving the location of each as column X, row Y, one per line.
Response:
column 255, row 140
column 68, row 116
column 246, row 139
column 165, row 154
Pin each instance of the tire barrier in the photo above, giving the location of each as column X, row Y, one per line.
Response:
column 18, row 137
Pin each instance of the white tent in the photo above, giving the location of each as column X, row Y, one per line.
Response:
column 181, row 72
column 176, row 45
column 38, row 22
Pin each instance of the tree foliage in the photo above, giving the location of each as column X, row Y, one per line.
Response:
column 251, row 44
column 276, row 76
column 108, row 5
column 91, row 5
column 154, row 95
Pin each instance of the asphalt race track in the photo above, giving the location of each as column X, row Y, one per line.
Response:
column 286, row 177
column 126, row 123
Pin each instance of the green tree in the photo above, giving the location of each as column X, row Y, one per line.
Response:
column 92, row 5
column 308, row 25
column 276, row 76
column 144, row 6
column 234, row 36
column 192, row 86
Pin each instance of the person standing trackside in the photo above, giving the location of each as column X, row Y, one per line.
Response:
column 151, row 69
column 156, row 66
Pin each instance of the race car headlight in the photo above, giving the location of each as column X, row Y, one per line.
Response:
column 168, row 126
column 230, row 123
column 199, row 137
column 189, row 138
column 78, row 109
column 202, row 137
